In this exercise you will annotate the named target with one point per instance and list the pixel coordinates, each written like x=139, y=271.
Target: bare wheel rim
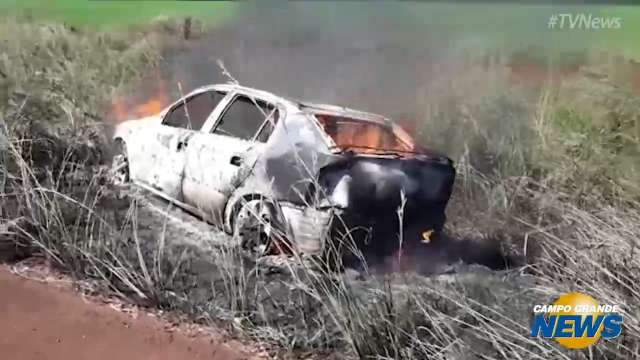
x=120, y=167
x=252, y=228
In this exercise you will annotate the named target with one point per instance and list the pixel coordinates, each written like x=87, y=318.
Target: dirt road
x=40, y=321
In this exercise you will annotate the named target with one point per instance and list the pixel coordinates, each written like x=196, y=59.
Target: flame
x=364, y=136
x=426, y=236
x=152, y=106
x=118, y=109
x=126, y=108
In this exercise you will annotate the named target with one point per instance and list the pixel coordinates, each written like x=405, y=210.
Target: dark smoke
x=443, y=255
x=357, y=55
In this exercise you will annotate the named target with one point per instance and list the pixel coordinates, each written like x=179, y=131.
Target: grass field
x=493, y=25
x=103, y=14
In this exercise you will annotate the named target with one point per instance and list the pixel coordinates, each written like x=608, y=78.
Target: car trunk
x=375, y=192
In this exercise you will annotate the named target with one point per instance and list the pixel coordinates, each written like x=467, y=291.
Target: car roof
x=297, y=104
x=343, y=111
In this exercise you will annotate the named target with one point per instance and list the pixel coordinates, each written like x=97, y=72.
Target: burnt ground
x=445, y=254
x=278, y=300
x=44, y=321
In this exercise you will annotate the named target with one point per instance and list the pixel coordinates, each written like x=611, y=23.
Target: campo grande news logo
x=576, y=321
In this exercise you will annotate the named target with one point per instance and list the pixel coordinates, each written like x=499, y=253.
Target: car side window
x=244, y=117
x=194, y=111
x=266, y=130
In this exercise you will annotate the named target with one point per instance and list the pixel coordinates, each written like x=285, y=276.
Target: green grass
x=103, y=14
x=625, y=40
x=514, y=26
x=502, y=26
x=509, y=27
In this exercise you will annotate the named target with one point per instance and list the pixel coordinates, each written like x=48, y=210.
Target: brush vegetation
x=549, y=174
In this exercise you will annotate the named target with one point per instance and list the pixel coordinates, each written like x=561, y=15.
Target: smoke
x=373, y=58
x=443, y=253
x=384, y=57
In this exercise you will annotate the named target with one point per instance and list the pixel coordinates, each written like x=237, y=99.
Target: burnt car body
x=321, y=169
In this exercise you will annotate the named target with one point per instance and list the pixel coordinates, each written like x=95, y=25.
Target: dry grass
x=527, y=178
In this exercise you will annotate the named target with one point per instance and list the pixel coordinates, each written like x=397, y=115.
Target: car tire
x=258, y=228
x=120, y=174
x=253, y=227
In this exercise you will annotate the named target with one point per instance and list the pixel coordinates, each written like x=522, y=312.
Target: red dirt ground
x=41, y=321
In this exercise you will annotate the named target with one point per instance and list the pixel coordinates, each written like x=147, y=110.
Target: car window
x=269, y=125
x=365, y=136
x=192, y=113
x=244, y=117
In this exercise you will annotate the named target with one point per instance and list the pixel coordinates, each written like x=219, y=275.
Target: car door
x=217, y=161
x=184, y=119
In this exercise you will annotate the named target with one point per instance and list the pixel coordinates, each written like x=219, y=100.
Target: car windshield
x=365, y=136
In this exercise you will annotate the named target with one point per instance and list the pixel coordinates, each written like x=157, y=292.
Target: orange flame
x=125, y=108
x=363, y=137
x=152, y=106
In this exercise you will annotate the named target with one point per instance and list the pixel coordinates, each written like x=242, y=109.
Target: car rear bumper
x=309, y=227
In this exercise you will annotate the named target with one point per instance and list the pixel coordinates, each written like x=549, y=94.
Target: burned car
x=280, y=173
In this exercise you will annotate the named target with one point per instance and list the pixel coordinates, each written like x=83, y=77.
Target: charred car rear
x=275, y=171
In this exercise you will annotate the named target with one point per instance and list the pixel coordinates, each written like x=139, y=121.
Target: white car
x=284, y=174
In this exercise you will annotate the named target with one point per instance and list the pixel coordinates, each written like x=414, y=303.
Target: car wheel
x=120, y=165
x=253, y=227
